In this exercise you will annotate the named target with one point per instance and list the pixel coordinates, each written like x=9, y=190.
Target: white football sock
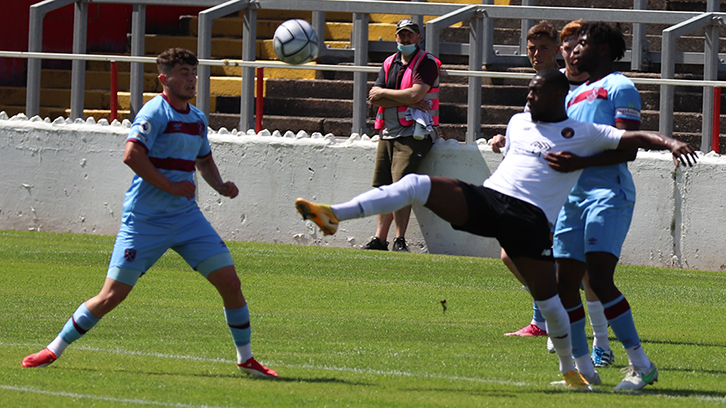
x=599, y=325
x=637, y=357
x=244, y=353
x=584, y=365
x=411, y=189
x=57, y=346
x=558, y=329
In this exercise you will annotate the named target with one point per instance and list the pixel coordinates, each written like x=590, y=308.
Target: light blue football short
x=141, y=242
x=595, y=224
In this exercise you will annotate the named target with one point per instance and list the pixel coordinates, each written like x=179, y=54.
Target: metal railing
x=480, y=48
x=707, y=84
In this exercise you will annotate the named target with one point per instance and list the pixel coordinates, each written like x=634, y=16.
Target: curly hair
x=166, y=61
x=604, y=33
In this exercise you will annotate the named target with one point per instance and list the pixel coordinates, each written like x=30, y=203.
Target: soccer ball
x=295, y=42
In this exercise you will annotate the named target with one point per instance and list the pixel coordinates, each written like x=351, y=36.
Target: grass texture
x=343, y=328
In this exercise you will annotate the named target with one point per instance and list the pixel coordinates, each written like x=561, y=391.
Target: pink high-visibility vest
x=407, y=82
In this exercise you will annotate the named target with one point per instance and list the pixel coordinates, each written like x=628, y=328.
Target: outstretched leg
x=441, y=195
x=83, y=319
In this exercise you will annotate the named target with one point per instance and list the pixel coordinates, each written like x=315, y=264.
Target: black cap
x=407, y=24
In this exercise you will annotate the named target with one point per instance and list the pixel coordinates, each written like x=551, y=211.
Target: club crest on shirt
x=130, y=254
x=592, y=95
x=568, y=132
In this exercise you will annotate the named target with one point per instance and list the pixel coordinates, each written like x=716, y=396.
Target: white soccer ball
x=295, y=42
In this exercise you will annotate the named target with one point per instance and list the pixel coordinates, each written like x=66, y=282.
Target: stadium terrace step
x=230, y=48
x=336, y=126
x=57, y=78
x=151, y=73
x=60, y=98
x=52, y=98
x=321, y=101
x=334, y=30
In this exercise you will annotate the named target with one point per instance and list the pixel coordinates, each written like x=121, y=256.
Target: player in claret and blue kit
x=594, y=222
x=167, y=143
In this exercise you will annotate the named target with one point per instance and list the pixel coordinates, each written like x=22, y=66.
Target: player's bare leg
x=84, y=319
x=237, y=315
x=641, y=371
x=602, y=354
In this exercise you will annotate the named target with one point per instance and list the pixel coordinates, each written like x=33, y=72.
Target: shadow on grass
x=614, y=339
x=674, y=392
x=682, y=343
x=289, y=379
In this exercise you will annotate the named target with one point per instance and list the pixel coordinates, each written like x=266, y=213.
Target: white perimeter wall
x=68, y=177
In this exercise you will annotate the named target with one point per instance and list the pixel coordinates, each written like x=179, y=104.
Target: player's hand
x=497, y=143
x=228, y=189
x=564, y=162
x=683, y=152
x=183, y=189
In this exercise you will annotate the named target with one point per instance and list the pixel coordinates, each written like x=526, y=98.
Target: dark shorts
x=521, y=228
x=397, y=157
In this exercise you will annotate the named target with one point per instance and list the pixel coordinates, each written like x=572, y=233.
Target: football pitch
x=342, y=327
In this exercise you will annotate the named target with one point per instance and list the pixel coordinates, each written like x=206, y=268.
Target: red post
x=114, y=91
x=715, y=132
x=259, y=102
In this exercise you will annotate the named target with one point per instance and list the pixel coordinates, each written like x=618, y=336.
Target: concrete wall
x=68, y=177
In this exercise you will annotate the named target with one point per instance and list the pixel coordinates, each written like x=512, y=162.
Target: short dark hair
x=166, y=61
x=556, y=79
x=543, y=30
x=604, y=33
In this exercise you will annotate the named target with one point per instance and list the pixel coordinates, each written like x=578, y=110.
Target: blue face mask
x=406, y=49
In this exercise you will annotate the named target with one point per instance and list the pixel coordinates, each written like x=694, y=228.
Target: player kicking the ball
x=167, y=142
x=518, y=204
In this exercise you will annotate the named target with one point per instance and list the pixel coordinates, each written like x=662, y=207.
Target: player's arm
x=498, y=142
x=655, y=141
x=567, y=162
x=210, y=173
x=136, y=158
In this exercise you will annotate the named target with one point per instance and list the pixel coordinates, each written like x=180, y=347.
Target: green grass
x=342, y=327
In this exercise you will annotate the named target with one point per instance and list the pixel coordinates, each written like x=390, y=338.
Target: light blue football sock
x=81, y=322
x=621, y=321
x=577, y=329
x=537, y=317
x=239, y=325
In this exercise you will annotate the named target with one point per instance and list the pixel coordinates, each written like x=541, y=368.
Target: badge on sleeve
x=144, y=127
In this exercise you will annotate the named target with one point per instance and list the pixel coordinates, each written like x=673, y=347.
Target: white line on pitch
x=341, y=369
x=136, y=401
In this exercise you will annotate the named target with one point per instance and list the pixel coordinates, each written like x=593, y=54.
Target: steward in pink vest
x=406, y=94
x=406, y=82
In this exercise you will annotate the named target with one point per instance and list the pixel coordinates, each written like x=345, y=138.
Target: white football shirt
x=524, y=173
